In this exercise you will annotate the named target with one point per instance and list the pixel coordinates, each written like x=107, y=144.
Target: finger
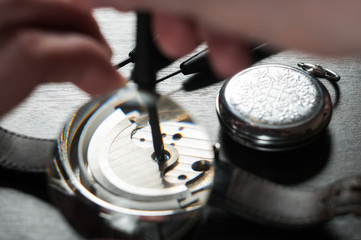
x=145, y=5
x=73, y=58
x=318, y=26
x=44, y=14
x=227, y=56
x=175, y=36
x=32, y=57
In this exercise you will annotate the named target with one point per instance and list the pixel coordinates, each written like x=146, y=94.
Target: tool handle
x=144, y=73
x=196, y=63
x=205, y=77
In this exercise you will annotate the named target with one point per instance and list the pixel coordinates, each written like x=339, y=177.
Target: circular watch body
x=274, y=107
x=105, y=158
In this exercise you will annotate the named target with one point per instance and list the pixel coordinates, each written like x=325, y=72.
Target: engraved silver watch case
x=105, y=158
x=276, y=107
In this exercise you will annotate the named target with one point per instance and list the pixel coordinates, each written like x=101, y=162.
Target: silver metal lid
x=274, y=107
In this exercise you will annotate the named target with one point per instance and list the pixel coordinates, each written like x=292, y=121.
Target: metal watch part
x=105, y=158
x=274, y=107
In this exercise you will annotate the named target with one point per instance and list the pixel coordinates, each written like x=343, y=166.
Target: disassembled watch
x=105, y=157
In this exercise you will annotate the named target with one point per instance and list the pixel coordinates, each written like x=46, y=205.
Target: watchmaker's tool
x=197, y=63
x=145, y=76
x=160, y=62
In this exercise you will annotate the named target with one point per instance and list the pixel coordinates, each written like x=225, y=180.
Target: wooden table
x=27, y=213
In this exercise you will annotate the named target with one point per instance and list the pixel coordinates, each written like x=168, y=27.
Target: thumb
x=32, y=57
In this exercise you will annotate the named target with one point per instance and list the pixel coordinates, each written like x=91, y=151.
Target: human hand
x=51, y=41
x=321, y=27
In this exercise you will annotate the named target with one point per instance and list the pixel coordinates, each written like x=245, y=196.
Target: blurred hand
x=321, y=27
x=51, y=41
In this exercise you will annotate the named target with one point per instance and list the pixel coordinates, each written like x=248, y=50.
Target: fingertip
x=101, y=81
x=228, y=57
x=227, y=65
x=120, y=5
x=77, y=59
x=91, y=69
x=175, y=35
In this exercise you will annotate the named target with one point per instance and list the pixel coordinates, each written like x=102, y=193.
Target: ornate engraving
x=274, y=95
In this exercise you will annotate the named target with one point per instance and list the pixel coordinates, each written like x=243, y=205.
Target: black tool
x=130, y=59
x=194, y=64
x=160, y=60
x=198, y=63
x=145, y=76
x=204, y=75
x=124, y=62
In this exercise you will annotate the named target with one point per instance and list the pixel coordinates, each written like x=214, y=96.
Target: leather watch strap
x=274, y=204
x=235, y=189
x=19, y=152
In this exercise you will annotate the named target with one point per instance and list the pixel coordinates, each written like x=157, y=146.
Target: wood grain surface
x=335, y=155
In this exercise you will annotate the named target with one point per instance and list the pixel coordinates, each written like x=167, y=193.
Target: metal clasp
x=319, y=71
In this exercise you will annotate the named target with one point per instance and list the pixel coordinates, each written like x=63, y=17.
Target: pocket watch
x=276, y=107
